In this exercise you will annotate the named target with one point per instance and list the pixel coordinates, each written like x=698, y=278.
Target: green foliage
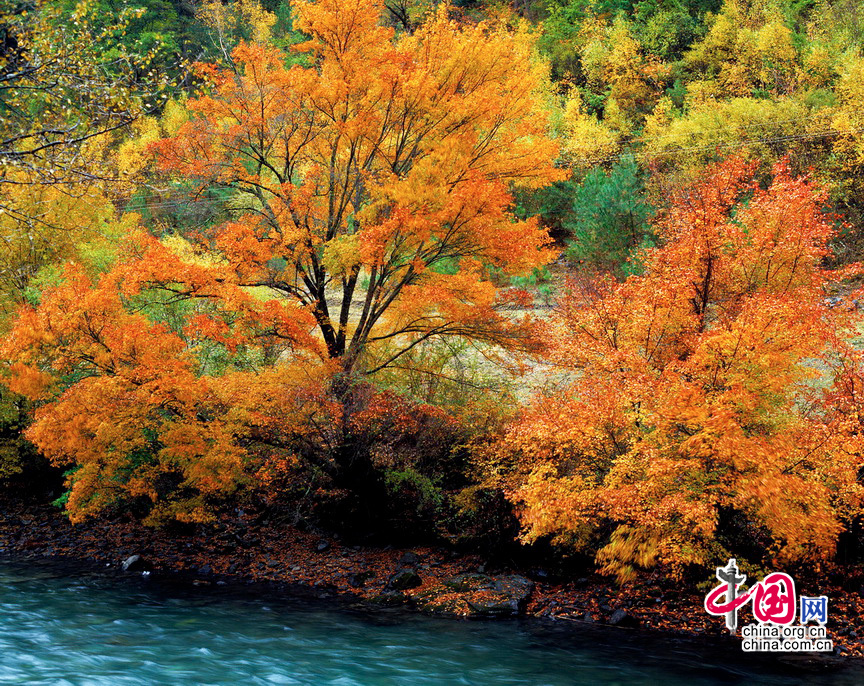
x=609, y=219
x=667, y=33
x=284, y=34
x=604, y=220
x=665, y=28
x=64, y=497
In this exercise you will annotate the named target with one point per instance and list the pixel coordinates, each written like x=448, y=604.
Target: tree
x=66, y=81
x=70, y=83
x=747, y=49
x=194, y=367
x=715, y=405
x=608, y=218
x=373, y=188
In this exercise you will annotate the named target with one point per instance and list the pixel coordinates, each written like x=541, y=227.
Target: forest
x=569, y=281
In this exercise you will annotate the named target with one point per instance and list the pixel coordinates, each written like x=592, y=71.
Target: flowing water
x=61, y=628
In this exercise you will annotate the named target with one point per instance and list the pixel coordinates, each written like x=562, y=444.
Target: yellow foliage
x=586, y=141
x=342, y=254
x=714, y=128
x=614, y=62
x=747, y=48
x=818, y=67
x=41, y=226
x=242, y=18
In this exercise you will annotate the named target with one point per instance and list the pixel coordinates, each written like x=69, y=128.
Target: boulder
x=515, y=586
x=359, y=579
x=477, y=595
x=389, y=599
x=409, y=559
x=623, y=618
x=470, y=582
x=134, y=563
x=404, y=579
x=439, y=600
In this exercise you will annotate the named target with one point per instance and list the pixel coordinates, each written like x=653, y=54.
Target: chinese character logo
x=773, y=597
x=774, y=604
x=814, y=609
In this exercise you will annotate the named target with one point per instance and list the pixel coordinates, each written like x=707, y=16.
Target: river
x=63, y=628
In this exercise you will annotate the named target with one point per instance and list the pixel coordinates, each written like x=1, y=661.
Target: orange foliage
x=130, y=403
x=716, y=394
x=374, y=175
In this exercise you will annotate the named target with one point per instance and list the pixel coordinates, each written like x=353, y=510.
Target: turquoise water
x=59, y=628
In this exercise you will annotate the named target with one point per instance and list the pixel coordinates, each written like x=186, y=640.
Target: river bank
x=65, y=623
x=240, y=551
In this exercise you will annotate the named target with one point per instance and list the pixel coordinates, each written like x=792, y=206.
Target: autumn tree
x=373, y=187
x=371, y=204
x=70, y=85
x=714, y=402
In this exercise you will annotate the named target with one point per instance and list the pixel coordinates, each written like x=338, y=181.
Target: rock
x=440, y=600
x=133, y=563
x=205, y=570
x=623, y=618
x=515, y=586
x=409, y=559
x=508, y=598
x=477, y=595
x=389, y=599
x=359, y=579
x=229, y=542
x=470, y=582
x=494, y=606
x=404, y=579
x=322, y=546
